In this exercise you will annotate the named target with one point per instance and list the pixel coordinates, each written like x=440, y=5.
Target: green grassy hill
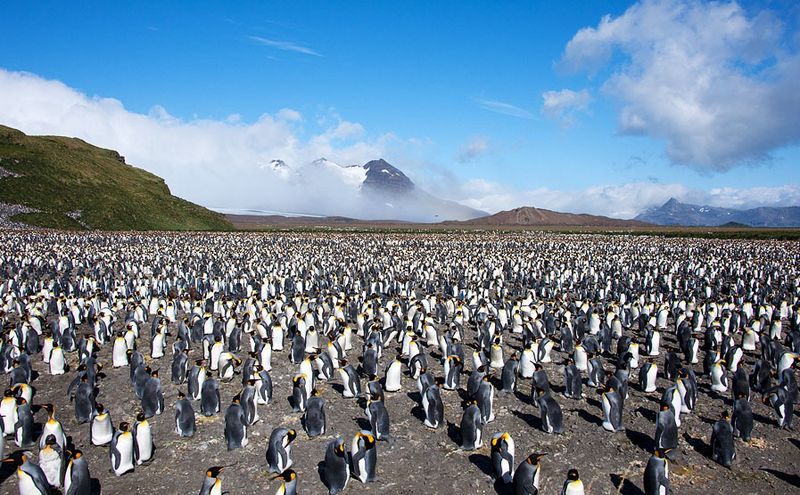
x=75, y=185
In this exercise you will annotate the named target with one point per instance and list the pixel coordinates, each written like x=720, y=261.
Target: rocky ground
x=421, y=460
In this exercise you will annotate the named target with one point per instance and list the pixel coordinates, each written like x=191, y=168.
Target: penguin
x=30, y=477
x=152, y=396
x=551, y=416
x=612, y=409
x=337, y=467
x=364, y=456
x=314, y=417
x=299, y=393
x=742, y=418
x=509, y=375
x=540, y=381
x=572, y=380
x=180, y=367
x=485, y=400
x=264, y=387
x=687, y=387
x=77, y=480
x=279, y=449
x=394, y=372
x=433, y=407
x=527, y=474
x=52, y=427
x=185, y=422
x=656, y=473
x=197, y=376
x=502, y=456
x=595, y=371
x=452, y=372
x=580, y=358
x=374, y=389
x=350, y=380
x=780, y=400
x=57, y=363
x=101, y=430
x=122, y=450
x=84, y=401
x=143, y=436
x=666, y=437
x=288, y=483
x=249, y=404
x=23, y=433
x=209, y=397
x=51, y=460
x=119, y=352
x=723, y=450
x=573, y=484
x=647, y=377
x=719, y=377
x=672, y=398
x=235, y=426
x=8, y=412
x=471, y=428
x=212, y=483
x=740, y=383
x=378, y=419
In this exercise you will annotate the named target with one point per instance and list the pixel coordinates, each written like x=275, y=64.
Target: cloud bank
x=217, y=163
x=717, y=83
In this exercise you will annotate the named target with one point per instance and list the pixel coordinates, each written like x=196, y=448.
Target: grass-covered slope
x=75, y=185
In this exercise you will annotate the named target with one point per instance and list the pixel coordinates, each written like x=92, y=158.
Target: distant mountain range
x=529, y=216
x=374, y=191
x=673, y=212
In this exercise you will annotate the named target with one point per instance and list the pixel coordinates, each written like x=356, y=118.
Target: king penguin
x=503, y=456
x=527, y=474
x=279, y=449
x=337, y=467
x=364, y=456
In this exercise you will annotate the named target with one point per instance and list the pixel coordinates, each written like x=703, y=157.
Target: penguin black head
x=286, y=476
x=181, y=395
x=572, y=475
x=124, y=426
x=50, y=440
x=535, y=458
x=214, y=472
x=100, y=408
x=339, y=449
x=140, y=416
x=725, y=415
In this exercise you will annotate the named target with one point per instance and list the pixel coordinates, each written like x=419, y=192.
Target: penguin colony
x=211, y=357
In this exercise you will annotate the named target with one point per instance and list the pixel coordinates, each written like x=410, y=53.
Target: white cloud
x=287, y=46
x=716, y=83
x=619, y=201
x=503, y=108
x=211, y=162
x=562, y=105
x=472, y=149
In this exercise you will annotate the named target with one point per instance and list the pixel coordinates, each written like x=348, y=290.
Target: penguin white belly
x=119, y=356
x=125, y=449
x=654, y=344
x=158, y=346
x=57, y=364
x=50, y=462
x=581, y=361
x=144, y=441
x=101, y=432
x=607, y=415
x=26, y=484
x=8, y=410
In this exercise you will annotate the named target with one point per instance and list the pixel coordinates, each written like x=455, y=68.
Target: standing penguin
x=612, y=409
x=77, y=480
x=573, y=484
x=212, y=483
x=471, y=428
x=51, y=460
x=143, y=436
x=485, y=400
x=337, y=468
x=249, y=404
x=433, y=406
x=52, y=427
x=572, y=380
x=394, y=372
x=527, y=474
x=378, y=419
x=509, y=375
x=152, y=396
x=235, y=426
x=503, y=456
x=314, y=417
x=719, y=376
x=656, y=474
x=742, y=418
x=647, y=377
x=551, y=416
x=23, y=434
x=84, y=401
x=279, y=449
x=299, y=393
x=364, y=456
x=209, y=397
x=723, y=450
x=666, y=437
x=122, y=450
x=350, y=380
x=101, y=430
x=184, y=416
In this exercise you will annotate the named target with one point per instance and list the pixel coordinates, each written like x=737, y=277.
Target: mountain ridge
x=674, y=212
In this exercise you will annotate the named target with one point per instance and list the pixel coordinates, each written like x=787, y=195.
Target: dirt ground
x=421, y=460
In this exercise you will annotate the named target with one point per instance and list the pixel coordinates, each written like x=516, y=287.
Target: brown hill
x=529, y=216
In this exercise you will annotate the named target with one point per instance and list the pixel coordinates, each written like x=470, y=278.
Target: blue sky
x=494, y=104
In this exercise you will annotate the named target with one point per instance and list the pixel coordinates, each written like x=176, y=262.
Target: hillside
x=67, y=183
x=673, y=212
x=531, y=216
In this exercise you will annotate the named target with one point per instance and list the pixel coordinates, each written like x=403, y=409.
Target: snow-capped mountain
x=375, y=190
x=673, y=212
